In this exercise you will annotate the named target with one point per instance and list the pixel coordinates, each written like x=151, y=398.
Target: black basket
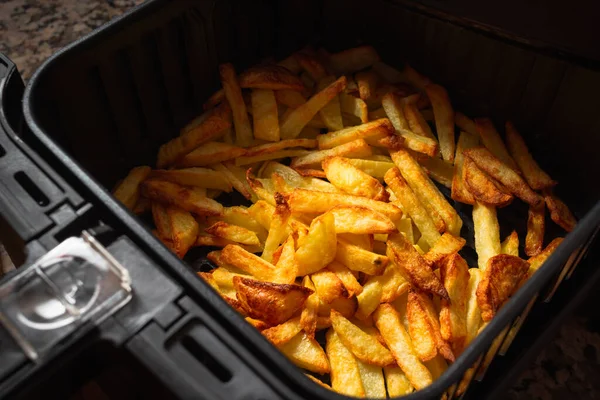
x=107, y=102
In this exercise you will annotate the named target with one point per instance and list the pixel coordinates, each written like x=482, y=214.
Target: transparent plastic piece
x=76, y=282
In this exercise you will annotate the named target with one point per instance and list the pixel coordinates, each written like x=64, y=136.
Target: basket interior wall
x=118, y=97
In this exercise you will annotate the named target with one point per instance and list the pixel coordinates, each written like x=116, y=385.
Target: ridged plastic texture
x=112, y=98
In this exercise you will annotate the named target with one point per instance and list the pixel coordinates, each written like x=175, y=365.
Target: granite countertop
x=32, y=30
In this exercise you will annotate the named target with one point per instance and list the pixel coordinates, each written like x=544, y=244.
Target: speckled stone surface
x=30, y=31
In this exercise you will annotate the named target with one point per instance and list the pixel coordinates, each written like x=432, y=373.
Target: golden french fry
x=363, y=241
x=270, y=302
x=163, y=224
x=239, y=215
x=245, y=160
x=331, y=113
x=465, y=123
x=352, y=180
x=454, y=273
x=412, y=205
x=417, y=269
x=369, y=299
x=459, y=191
x=200, y=177
x=233, y=233
x=376, y=169
x=445, y=246
x=378, y=129
x=534, y=241
x=559, y=212
x=510, y=245
x=354, y=59
x=345, y=375
x=423, y=302
x=348, y=279
x=206, y=240
x=420, y=329
x=416, y=122
x=500, y=279
x=359, y=259
x=128, y=191
x=372, y=380
x=473, y=314
x=490, y=164
x=211, y=153
x=265, y=115
x=283, y=332
x=309, y=315
x=438, y=169
x=482, y=187
x=536, y=262
x=248, y=262
x=361, y=220
x=179, y=196
x=367, y=83
x=396, y=382
x=236, y=176
x=306, y=353
x=270, y=77
x=354, y=106
x=426, y=191
x=493, y=142
x=355, y=149
x=233, y=93
x=318, y=248
x=293, y=123
x=262, y=212
x=533, y=174
x=210, y=128
x=277, y=228
x=487, y=233
x=399, y=343
x=392, y=281
x=328, y=286
x=444, y=119
x=286, y=266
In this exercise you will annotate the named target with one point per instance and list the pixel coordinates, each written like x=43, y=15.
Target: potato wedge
x=355, y=149
x=396, y=382
x=510, y=245
x=354, y=59
x=352, y=180
x=359, y=259
x=270, y=77
x=534, y=241
x=233, y=233
x=210, y=153
x=500, y=279
x=197, y=177
x=270, y=302
x=128, y=191
x=293, y=123
x=459, y=190
x=445, y=246
x=265, y=115
x=306, y=353
x=400, y=345
x=172, y=194
x=416, y=268
x=377, y=129
x=309, y=315
x=444, y=120
x=559, y=212
x=284, y=332
x=454, y=273
x=487, y=233
x=372, y=379
x=233, y=93
x=482, y=187
x=331, y=113
x=345, y=375
x=368, y=299
x=488, y=163
x=318, y=248
x=465, y=123
x=361, y=220
x=493, y=142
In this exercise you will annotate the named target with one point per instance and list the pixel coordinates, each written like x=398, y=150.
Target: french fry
x=500, y=279
x=417, y=269
x=308, y=317
x=311, y=66
x=488, y=163
x=211, y=153
x=426, y=191
x=331, y=113
x=277, y=228
x=459, y=191
x=306, y=353
x=290, y=98
x=233, y=93
x=359, y=259
x=473, y=315
x=368, y=299
x=293, y=123
x=195, y=176
x=537, y=261
x=376, y=169
x=128, y=191
x=172, y=194
x=286, y=265
x=233, y=233
x=270, y=77
x=352, y=180
x=534, y=241
x=373, y=130
x=365, y=242
x=446, y=245
x=416, y=122
x=439, y=170
x=345, y=375
x=236, y=176
x=318, y=248
x=372, y=380
x=244, y=160
x=412, y=205
x=420, y=330
x=465, y=123
x=482, y=187
x=265, y=115
x=533, y=174
x=262, y=212
x=367, y=83
x=444, y=120
x=212, y=127
x=493, y=142
x=328, y=286
x=510, y=245
x=283, y=332
x=163, y=224
x=392, y=281
x=354, y=106
x=355, y=149
x=454, y=273
x=487, y=233
x=206, y=240
x=399, y=343
x=361, y=220
x=396, y=382
x=270, y=302
x=559, y=212
x=354, y=59
x=248, y=262
x=348, y=279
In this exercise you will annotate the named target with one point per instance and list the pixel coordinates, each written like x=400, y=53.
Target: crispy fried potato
x=311, y=65
x=367, y=82
x=278, y=227
x=534, y=241
x=284, y=332
x=465, y=123
x=309, y=315
x=211, y=153
x=500, y=279
x=293, y=123
x=345, y=275
x=354, y=106
x=559, y=212
x=426, y=191
x=415, y=78
x=208, y=278
x=270, y=302
x=206, y=240
x=265, y=115
x=417, y=269
x=210, y=128
x=345, y=375
x=510, y=245
x=482, y=187
x=439, y=170
x=270, y=77
x=396, y=382
x=420, y=330
x=454, y=273
x=400, y=345
x=262, y=212
x=473, y=314
x=459, y=190
x=233, y=233
x=331, y=113
x=306, y=353
x=359, y=259
x=445, y=246
x=363, y=241
x=536, y=262
x=372, y=379
x=184, y=230
x=345, y=306
x=444, y=119
x=163, y=224
x=392, y=281
x=233, y=93
x=416, y=122
x=197, y=177
x=328, y=286
x=533, y=174
x=248, y=262
x=244, y=160
x=239, y=215
x=179, y=196
x=487, y=233
x=236, y=177
x=286, y=266
x=352, y=180
x=361, y=220
x=412, y=205
x=128, y=192
x=364, y=346
x=493, y=142
x=376, y=169
x=318, y=248
x=355, y=149
x=354, y=59
x=373, y=130
x=368, y=299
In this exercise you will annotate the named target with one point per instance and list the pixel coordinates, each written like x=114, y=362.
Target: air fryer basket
x=106, y=103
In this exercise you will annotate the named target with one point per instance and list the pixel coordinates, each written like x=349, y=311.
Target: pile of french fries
x=347, y=233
